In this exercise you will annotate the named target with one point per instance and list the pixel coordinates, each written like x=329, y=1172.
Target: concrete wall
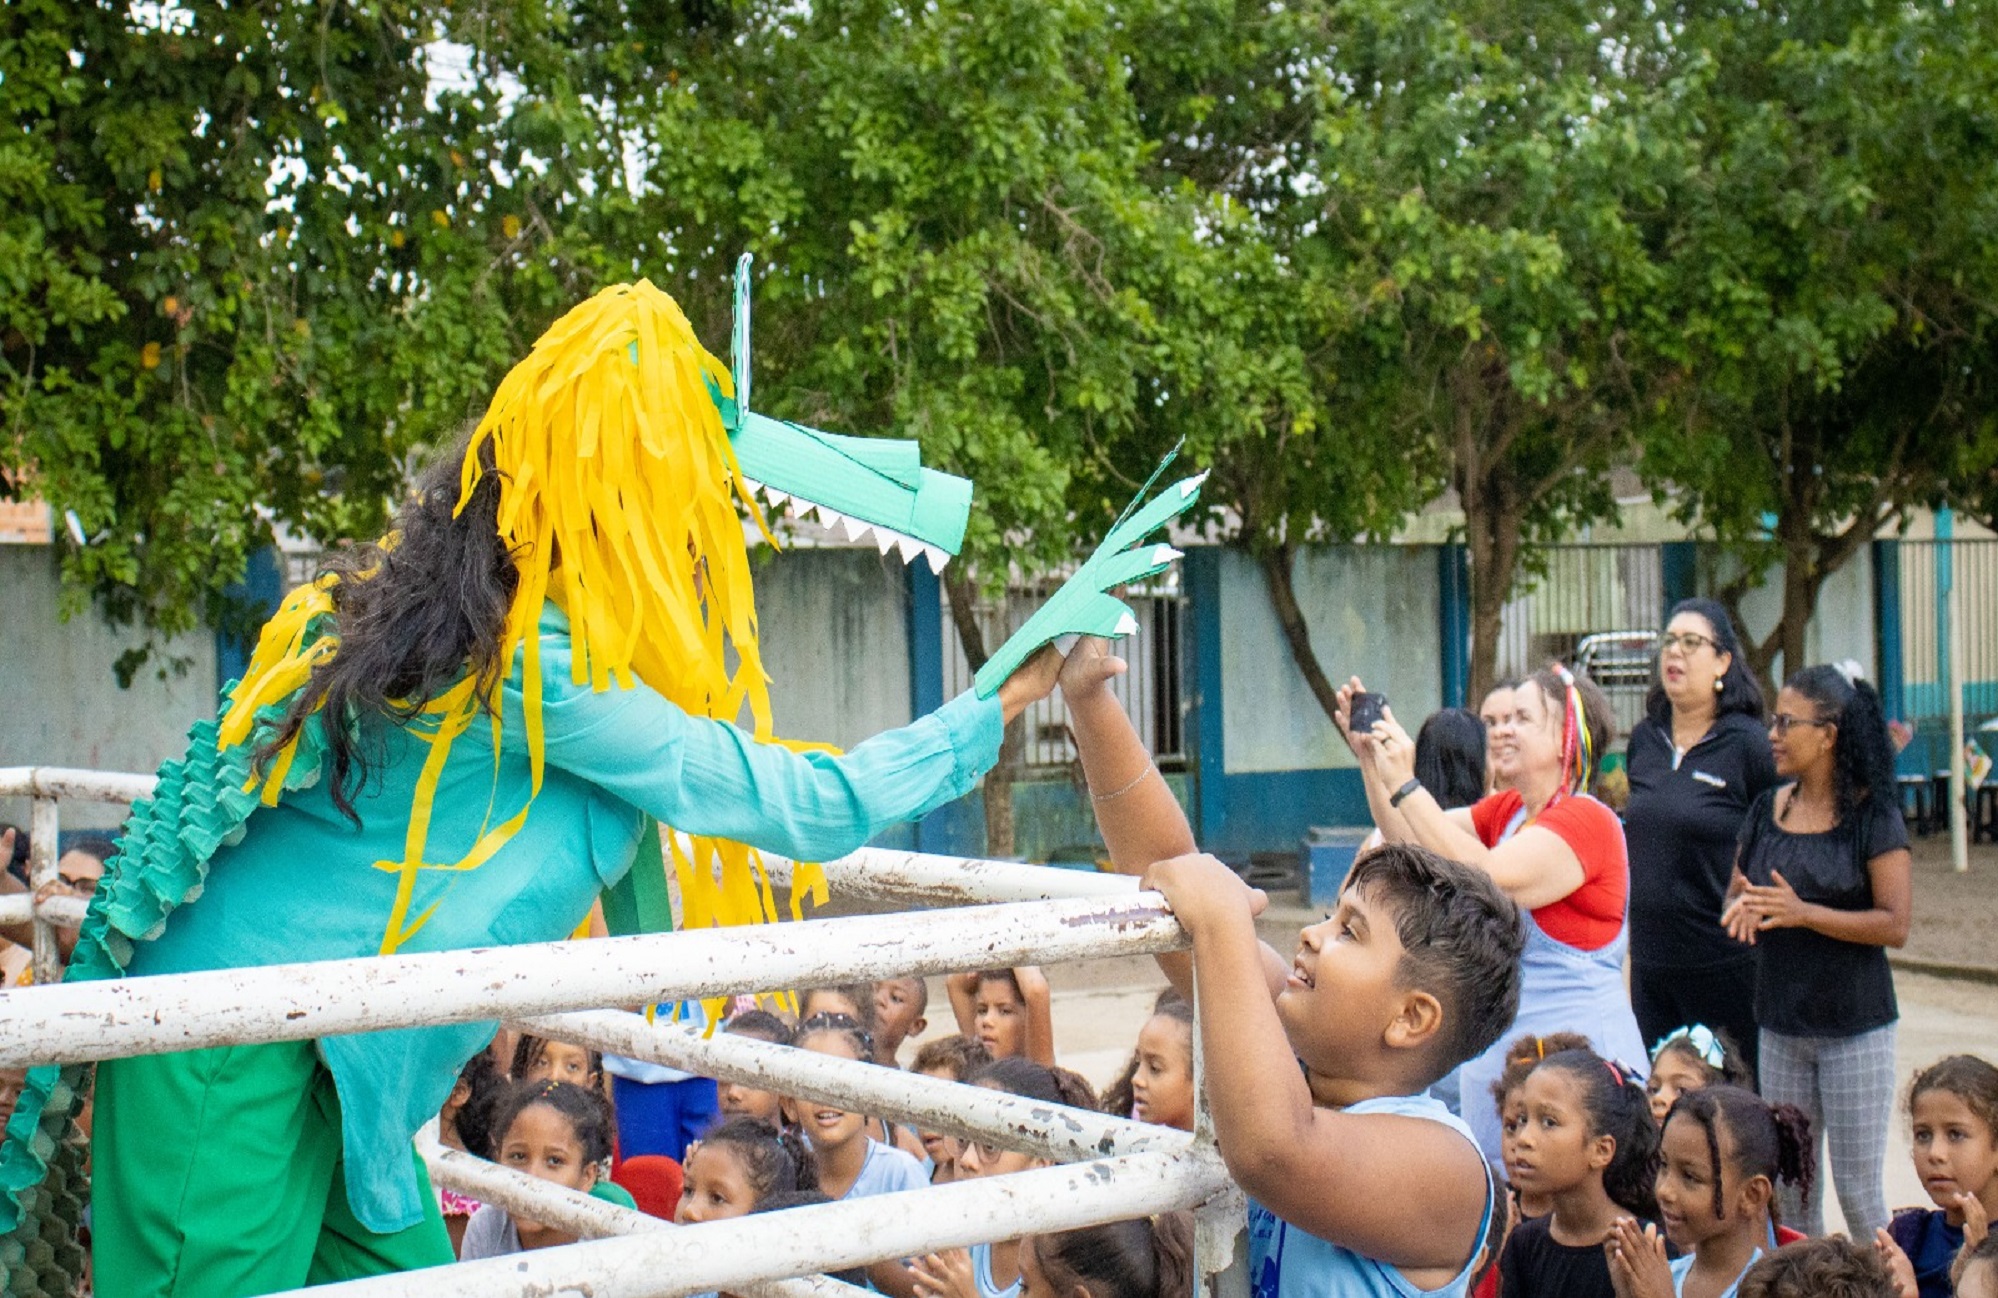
x=1372, y=612
x=60, y=704
x=834, y=626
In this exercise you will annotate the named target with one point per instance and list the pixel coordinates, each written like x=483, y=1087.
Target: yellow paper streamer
x=619, y=502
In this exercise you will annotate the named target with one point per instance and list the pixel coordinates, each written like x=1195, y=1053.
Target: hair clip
x=1617, y=1071
x=1540, y=1047
x=1702, y=1041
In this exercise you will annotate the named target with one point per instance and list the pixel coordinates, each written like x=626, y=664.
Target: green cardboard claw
x=1083, y=605
x=871, y=487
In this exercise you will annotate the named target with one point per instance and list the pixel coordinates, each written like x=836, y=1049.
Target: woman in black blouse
x=1821, y=892
x=1697, y=762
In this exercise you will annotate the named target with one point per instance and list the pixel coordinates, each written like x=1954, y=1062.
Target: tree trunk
x=1491, y=537
x=1800, y=602
x=998, y=788
x=1278, y=565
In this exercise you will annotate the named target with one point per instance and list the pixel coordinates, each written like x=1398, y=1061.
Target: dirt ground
x=1956, y=915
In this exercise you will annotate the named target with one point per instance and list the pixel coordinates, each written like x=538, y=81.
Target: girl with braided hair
x=557, y=1132
x=1721, y=1156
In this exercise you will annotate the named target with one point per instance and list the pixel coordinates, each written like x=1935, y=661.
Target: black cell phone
x=1367, y=708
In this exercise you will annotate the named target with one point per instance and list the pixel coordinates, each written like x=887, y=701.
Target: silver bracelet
x=1136, y=780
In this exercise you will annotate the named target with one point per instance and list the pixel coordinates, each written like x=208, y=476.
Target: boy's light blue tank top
x=1286, y=1262
x=981, y=1275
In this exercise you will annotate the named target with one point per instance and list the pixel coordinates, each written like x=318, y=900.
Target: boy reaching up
x=1360, y=1182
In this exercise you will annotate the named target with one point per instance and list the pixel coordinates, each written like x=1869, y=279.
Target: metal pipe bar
x=726, y=1255
x=924, y=879
x=1047, y=1131
x=134, y=1016
x=74, y=782
x=571, y=1210
x=66, y=912
x=44, y=828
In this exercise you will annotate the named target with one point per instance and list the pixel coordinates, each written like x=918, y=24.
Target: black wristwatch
x=1406, y=789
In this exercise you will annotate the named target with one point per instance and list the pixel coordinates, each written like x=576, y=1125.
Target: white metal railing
x=1110, y=1168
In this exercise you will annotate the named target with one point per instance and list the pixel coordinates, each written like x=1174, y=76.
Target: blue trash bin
x=1326, y=857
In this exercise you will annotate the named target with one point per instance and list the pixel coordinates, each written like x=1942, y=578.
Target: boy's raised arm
x=1140, y=819
x=1405, y=1191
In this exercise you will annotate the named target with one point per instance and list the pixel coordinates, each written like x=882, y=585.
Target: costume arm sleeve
x=710, y=778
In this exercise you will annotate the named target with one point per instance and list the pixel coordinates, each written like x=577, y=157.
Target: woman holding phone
x=1554, y=849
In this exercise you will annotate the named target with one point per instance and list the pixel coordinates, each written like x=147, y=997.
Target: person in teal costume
x=250, y=1169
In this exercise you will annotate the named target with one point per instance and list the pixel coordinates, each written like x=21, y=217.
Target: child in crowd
x=1977, y=1269
x=740, y=1099
x=1521, y=1058
x=855, y=1000
x=1688, y=1058
x=738, y=1165
x=465, y=1122
x=1151, y=1257
x=953, y=1058
x=852, y=1164
x=1157, y=1085
x=994, y=1270
x=537, y=1059
x=1587, y=1143
x=1318, y=1066
x=1007, y=1009
x=1953, y=1107
x=900, y=1005
x=1829, y=1267
x=557, y=1132
x=1722, y=1152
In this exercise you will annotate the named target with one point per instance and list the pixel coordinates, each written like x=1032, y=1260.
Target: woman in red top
x=1555, y=851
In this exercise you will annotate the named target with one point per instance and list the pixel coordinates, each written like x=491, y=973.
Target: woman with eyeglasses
x=1821, y=890
x=1697, y=762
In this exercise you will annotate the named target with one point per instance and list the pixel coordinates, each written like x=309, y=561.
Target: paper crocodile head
x=867, y=486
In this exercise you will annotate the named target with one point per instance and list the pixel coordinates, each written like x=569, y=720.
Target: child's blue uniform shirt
x=1286, y=1262
x=1931, y=1244
x=1682, y=1266
x=981, y=1275
x=886, y=1171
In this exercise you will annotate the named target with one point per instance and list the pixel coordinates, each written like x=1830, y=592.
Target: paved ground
x=1100, y=1006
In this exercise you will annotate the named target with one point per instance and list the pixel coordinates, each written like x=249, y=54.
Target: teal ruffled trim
x=202, y=802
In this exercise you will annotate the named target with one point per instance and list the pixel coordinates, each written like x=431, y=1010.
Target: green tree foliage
x=1834, y=276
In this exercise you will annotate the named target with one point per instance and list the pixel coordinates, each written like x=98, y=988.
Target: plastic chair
x=654, y=1180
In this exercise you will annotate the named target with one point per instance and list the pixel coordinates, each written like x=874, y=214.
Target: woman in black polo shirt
x=1697, y=762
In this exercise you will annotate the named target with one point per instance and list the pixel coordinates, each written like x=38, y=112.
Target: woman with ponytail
x=1550, y=846
x=1821, y=889
x=1151, y=1257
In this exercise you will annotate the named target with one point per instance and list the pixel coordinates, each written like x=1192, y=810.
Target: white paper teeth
x=855, y=529
x=830, y=518
x=1191, y=485
x=937, y=557
x=910, y=548
x=750, y=486
x=1163, y=555
x=1126, y=625
x=776, y=497
x=884, y=540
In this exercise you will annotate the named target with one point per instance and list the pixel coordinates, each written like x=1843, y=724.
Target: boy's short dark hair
x=1831, y=1267
x=960, y=1056
x=920, y=988
x=1461, y=940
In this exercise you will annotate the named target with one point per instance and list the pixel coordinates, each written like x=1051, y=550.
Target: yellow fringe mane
x=619, y=502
